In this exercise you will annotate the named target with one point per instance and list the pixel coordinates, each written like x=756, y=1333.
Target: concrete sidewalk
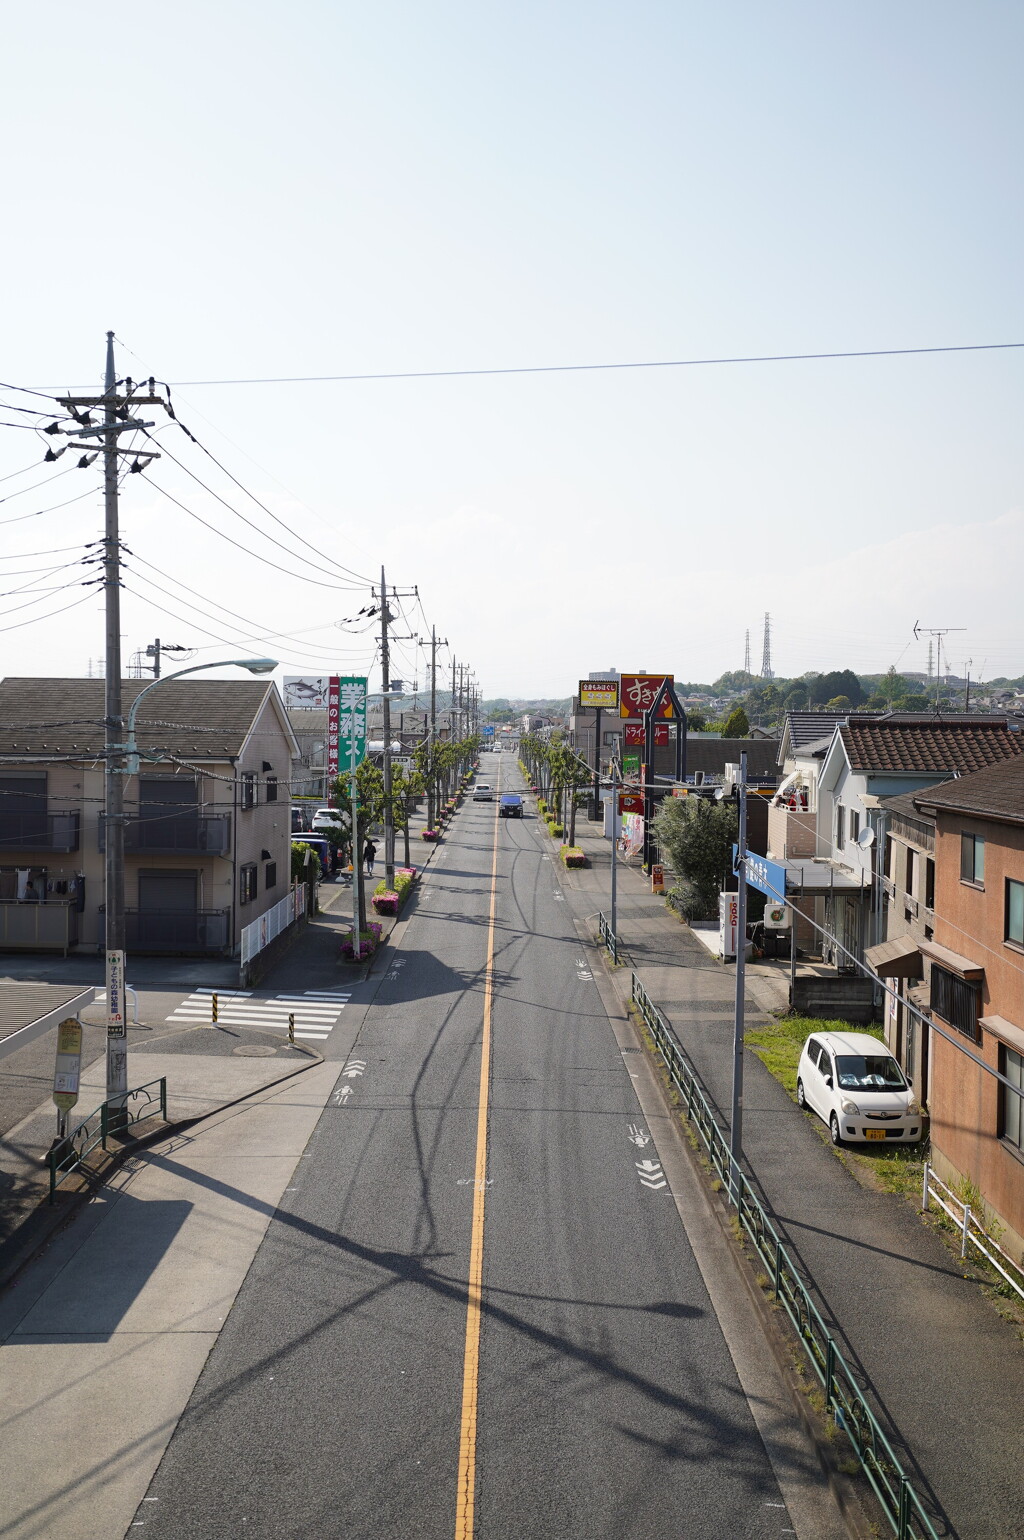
x=944, y=1370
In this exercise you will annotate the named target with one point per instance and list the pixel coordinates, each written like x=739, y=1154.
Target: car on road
x=510, y=806
x=853, y=1083
x=327, y=818
x=482, y=792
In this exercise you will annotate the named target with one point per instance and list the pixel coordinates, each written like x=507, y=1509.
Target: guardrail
x=844, y=1400
x=112, y=1117
x=971, y=1229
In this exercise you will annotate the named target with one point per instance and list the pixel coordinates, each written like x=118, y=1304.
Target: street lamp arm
x=254, y=665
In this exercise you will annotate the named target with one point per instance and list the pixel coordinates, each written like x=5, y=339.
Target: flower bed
x=556, y=830
x=369, y=941
x=390, y=900
x=385, y=901
x=429, y=834
x=572, y=855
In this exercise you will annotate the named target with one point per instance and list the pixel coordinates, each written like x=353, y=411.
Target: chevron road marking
x=651, y=1174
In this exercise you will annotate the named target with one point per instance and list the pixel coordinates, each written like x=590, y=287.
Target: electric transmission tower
x=746, y=654
x=766, y=653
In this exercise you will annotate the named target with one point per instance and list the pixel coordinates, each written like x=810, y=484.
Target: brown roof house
x=975, y=997
x=208, y=827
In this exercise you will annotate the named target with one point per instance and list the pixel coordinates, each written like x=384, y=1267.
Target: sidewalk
x=945, y=1371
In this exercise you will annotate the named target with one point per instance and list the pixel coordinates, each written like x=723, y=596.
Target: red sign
x=638, y=692
x=635, y=734
x=332, y=727
x=628, y=803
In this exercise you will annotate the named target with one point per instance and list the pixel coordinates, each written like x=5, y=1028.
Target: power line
x=658, y=363
x=36, y=618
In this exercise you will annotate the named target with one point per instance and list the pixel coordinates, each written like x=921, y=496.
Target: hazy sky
x=247, y=191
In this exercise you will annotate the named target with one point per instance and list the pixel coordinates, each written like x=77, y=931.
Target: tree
x=839, y=703
x=405, y=787
x=892, y=685
x=698, y=836
x=736, y=724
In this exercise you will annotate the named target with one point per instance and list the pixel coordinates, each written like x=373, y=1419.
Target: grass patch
x=778, y=1041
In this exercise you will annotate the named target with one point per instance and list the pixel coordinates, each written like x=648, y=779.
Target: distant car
x=510, y=806
x=327, y=818
x=300, y=820
x=854, y=1084
x=482, y=792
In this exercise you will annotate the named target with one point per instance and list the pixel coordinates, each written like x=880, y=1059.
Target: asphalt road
x=344, y=1396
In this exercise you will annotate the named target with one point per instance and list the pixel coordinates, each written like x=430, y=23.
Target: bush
x=542, y=806
x=369, y=940
x=390, y=900
x=429, y=834
x=385, y=903
x=556, y=831
x=572, y=855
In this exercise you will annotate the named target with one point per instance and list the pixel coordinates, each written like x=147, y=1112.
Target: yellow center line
x=466, y=1489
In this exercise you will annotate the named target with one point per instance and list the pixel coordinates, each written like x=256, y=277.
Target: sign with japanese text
x=636, y=734
x=68, y=1066
x=115, y=994
x=599, y=695
x=638, y=692
x=629, y=802
x=766, y=876
x=351, y=723
x=631, y=764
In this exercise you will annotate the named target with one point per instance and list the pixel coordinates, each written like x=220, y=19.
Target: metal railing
x=113, y=1116
x=934, y=1190
x=608, y=938
x=844, y=1399
x=39, y=831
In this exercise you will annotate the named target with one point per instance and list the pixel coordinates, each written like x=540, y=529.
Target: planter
x=572, y=855
x=385, y=903
x=429, y=834
x=369, y=940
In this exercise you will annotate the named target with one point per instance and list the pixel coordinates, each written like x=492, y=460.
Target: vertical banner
x=332, y=727
x=351, y=733
x=115, y=994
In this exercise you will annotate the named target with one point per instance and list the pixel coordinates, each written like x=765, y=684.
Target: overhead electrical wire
x=34, y=619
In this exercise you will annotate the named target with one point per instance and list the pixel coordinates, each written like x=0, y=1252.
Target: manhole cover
x=254, y=1051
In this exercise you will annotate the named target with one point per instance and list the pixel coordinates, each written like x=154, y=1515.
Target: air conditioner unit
x=776, y=916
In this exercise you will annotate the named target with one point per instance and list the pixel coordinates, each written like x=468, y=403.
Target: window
x=972, y=858
x=955, y=1000
x=249, y=789
x=1015, y=912
x=911, y=871
x=270, y=875
x=929, y=883
x=840, y=826
x=1012, y=1120
x=247, y=883
x=271, y=788
x=888, y=855
x=854, y=827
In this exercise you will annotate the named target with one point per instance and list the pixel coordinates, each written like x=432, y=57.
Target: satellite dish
x=866, y=837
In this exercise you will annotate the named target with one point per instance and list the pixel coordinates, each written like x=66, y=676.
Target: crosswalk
x=316, y=1011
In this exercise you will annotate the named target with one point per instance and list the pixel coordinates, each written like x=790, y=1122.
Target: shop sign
x=638, y=692
x=599, y=694
x=636, y=734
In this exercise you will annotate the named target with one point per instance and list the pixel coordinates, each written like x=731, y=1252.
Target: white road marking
x=316, y=1012
x=651, y=1174
x=638, y=1137
x=341, y=1095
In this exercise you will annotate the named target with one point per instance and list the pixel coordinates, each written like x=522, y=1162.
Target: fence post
x=163, y=1097
x=291, y=1028
x=903, y=1518
x=213, y=1007
x=963, y=1231
x=924, y=1190
x=778, y=1268
x=830, y=1369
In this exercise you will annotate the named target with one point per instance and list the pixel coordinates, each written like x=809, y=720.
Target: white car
x=482, y=792
x=327, y=818
x=854, y=1084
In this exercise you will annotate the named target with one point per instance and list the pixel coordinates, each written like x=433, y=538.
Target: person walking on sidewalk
x=369, y=856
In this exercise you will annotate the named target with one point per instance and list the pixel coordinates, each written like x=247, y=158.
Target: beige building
x=207, y=830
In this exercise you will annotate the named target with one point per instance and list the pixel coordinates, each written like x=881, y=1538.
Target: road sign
x=115, y=994
x=488, y=730
x=68, y=1065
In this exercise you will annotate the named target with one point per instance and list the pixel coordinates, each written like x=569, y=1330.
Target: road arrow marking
x=650, y=1174
x=469, y=1181
x=354, y=1070
x=653, y=1185
x=648, y=1167
x=638, y=1137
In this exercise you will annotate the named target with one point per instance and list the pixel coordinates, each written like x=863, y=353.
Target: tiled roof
x=713, y=754
x=194, y=718
x=808, y=726
x=905, y=806
x=995, y=792
x=930, y=746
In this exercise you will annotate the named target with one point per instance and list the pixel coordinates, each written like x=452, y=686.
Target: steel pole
x=114, y=763
x=389, y=823
x=736, y=1130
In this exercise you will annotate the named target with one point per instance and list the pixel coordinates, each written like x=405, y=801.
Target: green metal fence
x=608, y=937
x=844, y=1399
x=113, y=1117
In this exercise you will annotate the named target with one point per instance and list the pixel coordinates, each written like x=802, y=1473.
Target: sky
x=247, y=192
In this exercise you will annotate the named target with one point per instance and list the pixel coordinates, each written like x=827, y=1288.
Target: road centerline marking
x=466, y=1485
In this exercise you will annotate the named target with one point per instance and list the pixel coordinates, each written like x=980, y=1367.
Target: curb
x=46, y=1220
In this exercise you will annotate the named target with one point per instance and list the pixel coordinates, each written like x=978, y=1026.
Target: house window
x=955, y=1000
x=888, y=855
x=854, y=827
x=270, y=875
x=911, y=871
x=972, y=858
x=840, y=826
x=271, y=788
x=249, y=789
x=247, y=883
x=1015, y=912
x=1012, y=1119
x=929, y=883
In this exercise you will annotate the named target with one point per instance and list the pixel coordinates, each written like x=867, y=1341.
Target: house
x=207, y=820
x=976, y=986
x=908, y=918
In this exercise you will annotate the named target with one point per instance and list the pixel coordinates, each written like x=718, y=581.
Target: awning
x=1005, y=1031
x=899, y=958
x=952, y=960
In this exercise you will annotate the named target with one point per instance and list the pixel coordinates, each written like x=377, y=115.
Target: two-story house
x=207, y=819
x=907, y=883
x=976, y=986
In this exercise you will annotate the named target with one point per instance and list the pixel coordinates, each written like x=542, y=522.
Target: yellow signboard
x=599, y=694
x=68, y=1067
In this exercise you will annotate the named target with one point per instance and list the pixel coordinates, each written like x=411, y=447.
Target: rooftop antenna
x=936, y=632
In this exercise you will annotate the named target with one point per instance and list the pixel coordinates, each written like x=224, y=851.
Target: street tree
x=698, y=836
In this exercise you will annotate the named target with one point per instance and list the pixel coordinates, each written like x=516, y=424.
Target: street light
x=117, y=1050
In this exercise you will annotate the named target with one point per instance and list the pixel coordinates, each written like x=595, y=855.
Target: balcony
x=49, y=927
x=195, y=932
x=182, y=834
x=792, y=836
x=56, y=832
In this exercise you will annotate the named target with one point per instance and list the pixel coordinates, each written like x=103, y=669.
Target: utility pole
x=389, y=820
x=116, y=419
x=431, y=788
x=157, y=649
x=736, y=1128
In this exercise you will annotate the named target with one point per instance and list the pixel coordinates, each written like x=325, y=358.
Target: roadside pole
x=358, y=916
x=615, y=863
x=736, y=1129
x=389, y=822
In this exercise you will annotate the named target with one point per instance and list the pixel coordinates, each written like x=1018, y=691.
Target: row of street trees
x=560, y=773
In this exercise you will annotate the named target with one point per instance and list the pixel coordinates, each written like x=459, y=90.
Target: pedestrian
x=369, y=856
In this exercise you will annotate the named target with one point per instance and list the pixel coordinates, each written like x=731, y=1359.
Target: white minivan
x=852, y=1081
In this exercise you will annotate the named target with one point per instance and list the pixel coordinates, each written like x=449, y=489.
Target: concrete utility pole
x=389, y=820
x=155, y=651
x=736, y=1129
x=116, y=419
